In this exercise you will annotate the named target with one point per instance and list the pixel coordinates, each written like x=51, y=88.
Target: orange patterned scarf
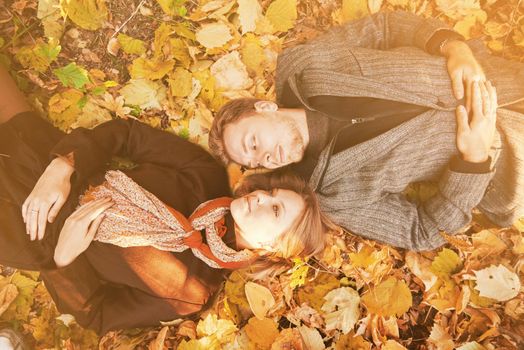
x=139, y=218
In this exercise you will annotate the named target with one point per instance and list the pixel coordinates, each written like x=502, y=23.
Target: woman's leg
x=12, y=101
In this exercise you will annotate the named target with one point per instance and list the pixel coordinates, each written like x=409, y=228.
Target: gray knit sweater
x=362, y=187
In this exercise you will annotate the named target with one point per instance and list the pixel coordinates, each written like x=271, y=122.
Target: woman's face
x=261, y=217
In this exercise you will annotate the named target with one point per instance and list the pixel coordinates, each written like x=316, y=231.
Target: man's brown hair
x=229, y=113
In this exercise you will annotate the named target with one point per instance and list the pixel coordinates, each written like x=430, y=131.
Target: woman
x=107, y=286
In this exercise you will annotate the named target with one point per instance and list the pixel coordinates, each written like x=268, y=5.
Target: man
x=365, y=116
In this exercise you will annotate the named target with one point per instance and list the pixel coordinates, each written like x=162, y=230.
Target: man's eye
x=276, y=210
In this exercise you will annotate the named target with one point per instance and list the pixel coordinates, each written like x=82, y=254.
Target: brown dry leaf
x=259, y=298
x=262, y=332
x=158, y=343
x=289, y=338
x=391, y=297
x=187, y=329
x=342, y=309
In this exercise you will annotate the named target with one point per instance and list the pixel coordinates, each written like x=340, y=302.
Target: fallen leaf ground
x=171, y=64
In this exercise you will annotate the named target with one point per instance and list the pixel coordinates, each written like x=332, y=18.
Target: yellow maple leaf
x=87, y=14
x=262, y=332
x=213, y=35
x=153, y=69
x=298, y=273
x=391, y=297
x=282, y=14
x=342, y=309
x=180, y=82
x=131, y=45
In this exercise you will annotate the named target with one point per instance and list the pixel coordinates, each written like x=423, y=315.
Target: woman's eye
x=276, y=210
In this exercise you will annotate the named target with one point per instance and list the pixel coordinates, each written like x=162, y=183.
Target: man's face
x=264, y=140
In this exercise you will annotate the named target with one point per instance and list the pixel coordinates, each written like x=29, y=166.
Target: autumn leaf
x=223, y=330
x=259, y=298
x=173, y=7
x=342, y=309
x=282, y=14
x=311, y=338
x=249, y=12
x=72, y=75
x=497, y=282
x=253, y=54
x=299, y=273
x=313, y=292
x=144, y=93
x=230, y=73
x=87, y=14
x=262, y=332
x=153, y=69
x=473, y=345
x=39, y=56
x=131, y=45
x=65, y=107
x=180, y=82
x=391, y=297
x=49, y=13
x=7, y=295
x=213, y=35
x=440, y=338
x=446, y=263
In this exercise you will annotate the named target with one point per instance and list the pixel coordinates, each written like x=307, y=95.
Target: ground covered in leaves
x=171, y=64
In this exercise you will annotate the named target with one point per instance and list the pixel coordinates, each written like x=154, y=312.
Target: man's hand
x=463, y=69
x=47, y=198
x=79, y=230
x=475, y=137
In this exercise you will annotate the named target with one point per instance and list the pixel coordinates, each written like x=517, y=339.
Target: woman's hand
x=463, y=69
x=79, y=230
x=47, y=198
x=475, y=137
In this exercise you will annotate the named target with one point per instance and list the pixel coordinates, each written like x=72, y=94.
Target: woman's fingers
x=53, y=212
x=94, y=227
x=486, y=100
x=32, y=222
x=42, y=220
x=25, y=207
x=492, y=91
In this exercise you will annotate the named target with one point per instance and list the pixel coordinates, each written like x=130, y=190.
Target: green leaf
x=172, y=7
x=38, y=56
x=446, y=263
x=131, y=45
x=72, y=76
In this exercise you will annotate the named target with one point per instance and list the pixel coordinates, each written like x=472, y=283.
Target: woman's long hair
x=307, y=235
